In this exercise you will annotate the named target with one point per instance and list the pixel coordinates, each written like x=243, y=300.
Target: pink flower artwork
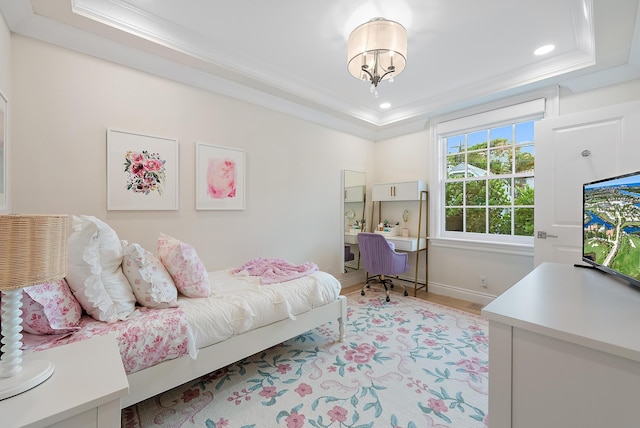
x=221, y=178
x=145, y=172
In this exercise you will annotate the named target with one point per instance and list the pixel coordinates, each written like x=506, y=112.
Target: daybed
x=174, y=338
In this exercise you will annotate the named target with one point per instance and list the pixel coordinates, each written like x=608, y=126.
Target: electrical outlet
x=483, y=281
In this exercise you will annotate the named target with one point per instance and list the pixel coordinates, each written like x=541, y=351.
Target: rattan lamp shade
x=33, y=249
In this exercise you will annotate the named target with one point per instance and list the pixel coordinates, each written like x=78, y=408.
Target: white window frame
x=535, y=105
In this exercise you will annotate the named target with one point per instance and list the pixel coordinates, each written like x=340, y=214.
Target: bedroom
x=62, y=102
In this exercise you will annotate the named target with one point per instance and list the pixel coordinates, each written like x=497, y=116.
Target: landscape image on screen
x=612, y=224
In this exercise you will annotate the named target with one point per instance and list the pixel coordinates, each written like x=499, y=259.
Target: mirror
x=3, y=153
x=354, y=189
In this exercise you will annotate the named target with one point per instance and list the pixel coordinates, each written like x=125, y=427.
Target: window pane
x=476, y=193
x=478, y=140
x=455, y=144
x=453, y=193
x=525, y=157
x=500, y=137
x=456, y=167
x=488, y=181
x=523, y=191
x=524, y=132
x=500, y=221
x=453, y=220
x=500, y=192
x=476, y=220
x=477, y=166
x=523, y=221
x=501, y=161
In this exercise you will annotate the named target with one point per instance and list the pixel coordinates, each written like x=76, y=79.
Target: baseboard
x=461, y=293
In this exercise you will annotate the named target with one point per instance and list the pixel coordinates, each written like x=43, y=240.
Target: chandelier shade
x=377, y=50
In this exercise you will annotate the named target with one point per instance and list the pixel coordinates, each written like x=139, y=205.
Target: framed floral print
x=220, y=177
x=142, y=172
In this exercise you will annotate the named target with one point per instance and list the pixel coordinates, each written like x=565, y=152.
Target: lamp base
x=33, y=373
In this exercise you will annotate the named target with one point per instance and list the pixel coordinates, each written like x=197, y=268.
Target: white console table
x=564, y=351
x=84, y=390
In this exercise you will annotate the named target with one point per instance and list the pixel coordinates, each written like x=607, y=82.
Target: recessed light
x=542, y=50
x=385, y=105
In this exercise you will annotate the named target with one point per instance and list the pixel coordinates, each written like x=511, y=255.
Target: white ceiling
x=290, y=55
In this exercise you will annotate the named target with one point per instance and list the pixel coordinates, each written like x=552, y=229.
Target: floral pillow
x=94, y=270
x=185, y=267
x=50, y=308
x=149, y=279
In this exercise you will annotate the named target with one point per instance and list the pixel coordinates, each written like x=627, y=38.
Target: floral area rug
x=406, y=363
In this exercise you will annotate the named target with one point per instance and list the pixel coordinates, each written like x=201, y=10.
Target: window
x=489, y=182
x=484, y=167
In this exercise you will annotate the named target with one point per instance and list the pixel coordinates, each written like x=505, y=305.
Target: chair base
x=386, y=283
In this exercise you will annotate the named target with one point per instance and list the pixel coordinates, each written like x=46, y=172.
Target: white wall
x=5, y=51
x=5, y=87
x=456, y=272
x=64, y=102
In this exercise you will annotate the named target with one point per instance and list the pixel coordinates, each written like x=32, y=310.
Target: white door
x=572, y=150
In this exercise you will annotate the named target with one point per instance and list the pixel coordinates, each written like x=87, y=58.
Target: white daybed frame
x=161, y=377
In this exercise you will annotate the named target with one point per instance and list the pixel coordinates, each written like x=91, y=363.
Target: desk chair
x=381, y=259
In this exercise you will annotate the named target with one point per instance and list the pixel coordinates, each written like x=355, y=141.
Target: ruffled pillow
x=94, y=270
x=149, y=279
x=50, y=308
x=185, y=267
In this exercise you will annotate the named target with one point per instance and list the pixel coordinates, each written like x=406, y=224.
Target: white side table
x=84, y=390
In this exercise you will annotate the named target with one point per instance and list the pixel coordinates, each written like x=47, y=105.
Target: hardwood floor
x=462, y=305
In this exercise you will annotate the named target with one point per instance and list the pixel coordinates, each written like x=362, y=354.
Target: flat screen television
x=611, y=232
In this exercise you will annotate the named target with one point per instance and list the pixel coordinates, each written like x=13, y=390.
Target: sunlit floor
x=463, y=305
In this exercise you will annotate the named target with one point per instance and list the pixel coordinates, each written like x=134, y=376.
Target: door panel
x=572, y=150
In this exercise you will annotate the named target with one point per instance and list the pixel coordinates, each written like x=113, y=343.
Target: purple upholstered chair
x=381, y=259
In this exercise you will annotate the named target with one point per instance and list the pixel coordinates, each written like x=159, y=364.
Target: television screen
x=611, y=233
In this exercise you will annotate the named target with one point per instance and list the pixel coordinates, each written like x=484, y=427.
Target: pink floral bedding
x=146, y=338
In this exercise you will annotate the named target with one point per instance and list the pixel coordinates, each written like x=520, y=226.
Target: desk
x=407, y=243
x=84, y=390
x=411, y=244
x=351, y=238
x=564, y=351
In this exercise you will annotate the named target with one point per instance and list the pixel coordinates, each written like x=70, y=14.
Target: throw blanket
x=271, y=271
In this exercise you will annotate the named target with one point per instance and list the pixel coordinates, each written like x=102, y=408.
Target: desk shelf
x=417, y=244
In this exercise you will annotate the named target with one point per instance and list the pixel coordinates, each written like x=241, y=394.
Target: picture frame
x=4, y=162
x=142, y=171
x=220, y=177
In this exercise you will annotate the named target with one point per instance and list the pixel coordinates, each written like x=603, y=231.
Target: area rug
x=406, y=363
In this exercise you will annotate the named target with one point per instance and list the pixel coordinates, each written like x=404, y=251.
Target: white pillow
x=185, y=267
x=149, y=280
x=94, y=271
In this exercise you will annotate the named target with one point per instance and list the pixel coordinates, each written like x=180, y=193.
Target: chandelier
x=377, y=51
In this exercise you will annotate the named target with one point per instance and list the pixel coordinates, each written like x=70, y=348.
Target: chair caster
x=388, y=299
x=362, y=293
x=406, y=293
x=391, y=285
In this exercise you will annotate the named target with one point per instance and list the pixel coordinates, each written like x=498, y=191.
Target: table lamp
x=33, y=250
